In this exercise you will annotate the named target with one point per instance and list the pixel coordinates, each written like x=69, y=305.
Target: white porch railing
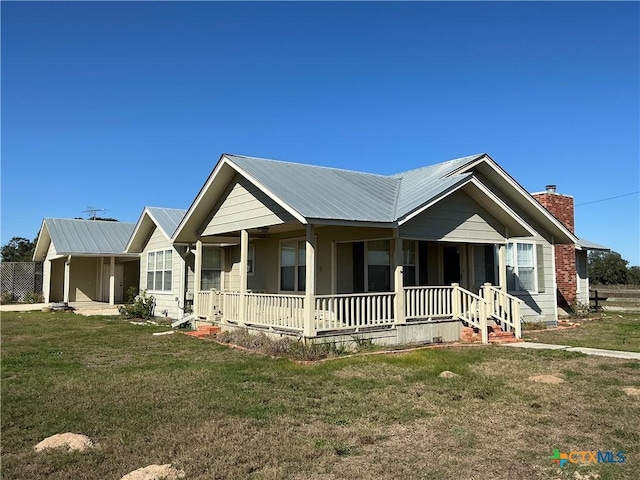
x=446, y=302
x=284, y=311
x=354, y=311
x=472, y=309
x=503, y=307
x=357, y=311
x=428, y=302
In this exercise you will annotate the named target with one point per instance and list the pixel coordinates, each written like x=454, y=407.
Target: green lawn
x=613, y=331
x=220, y=413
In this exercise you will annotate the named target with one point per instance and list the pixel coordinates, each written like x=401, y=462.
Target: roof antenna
x=91, y=211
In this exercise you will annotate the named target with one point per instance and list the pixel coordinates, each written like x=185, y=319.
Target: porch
x=416, y=314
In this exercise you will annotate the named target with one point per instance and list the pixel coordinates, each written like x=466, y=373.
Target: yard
x=227, y=414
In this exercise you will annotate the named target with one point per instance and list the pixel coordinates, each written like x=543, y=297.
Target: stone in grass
x=632, y=391
x=448, y=374
x=155, y=472
x=546, y=379
x=70, y=441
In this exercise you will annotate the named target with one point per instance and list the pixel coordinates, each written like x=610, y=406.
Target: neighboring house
x=317, y=251
x=166, y=269
x=84, y=260
x=572, y=277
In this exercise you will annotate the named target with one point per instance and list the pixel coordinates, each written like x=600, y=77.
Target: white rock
x=155, y=472
x=71, y=441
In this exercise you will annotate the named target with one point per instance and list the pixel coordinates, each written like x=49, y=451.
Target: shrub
x=142, y=307
x=34, y=297
x=132, y=293
x=6, y=298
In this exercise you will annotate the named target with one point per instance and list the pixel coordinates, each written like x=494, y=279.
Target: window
x=521, y=271
x=251, y=260
x=409, y=263
x=159, y=269
x=211, y=268
x=379, y=265
x=292, y=266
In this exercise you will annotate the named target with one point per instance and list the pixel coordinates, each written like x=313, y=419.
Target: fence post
x=484, y=328
x=516, y=319
x=488, y=297
x=455, y=300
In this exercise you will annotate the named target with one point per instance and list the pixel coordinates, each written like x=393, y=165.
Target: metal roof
x=88, y=236
x=587, y=245
x=331, y=193
x=323, y=192
x=167, y=219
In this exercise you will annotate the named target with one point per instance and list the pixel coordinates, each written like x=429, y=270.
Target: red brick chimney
x=561, y=207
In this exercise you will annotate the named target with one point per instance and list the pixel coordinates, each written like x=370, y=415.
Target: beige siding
x=244, y=207
x=83, y=279
x=456, y=218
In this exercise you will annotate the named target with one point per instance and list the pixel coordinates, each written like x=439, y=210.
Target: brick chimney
x=561, y=207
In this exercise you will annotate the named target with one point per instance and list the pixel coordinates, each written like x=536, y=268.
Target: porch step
x=496, y=335
x=205, y=331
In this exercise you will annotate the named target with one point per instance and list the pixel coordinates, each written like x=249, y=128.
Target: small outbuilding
x=84, y=260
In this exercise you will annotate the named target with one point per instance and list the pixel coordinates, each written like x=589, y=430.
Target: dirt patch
x=155, y=472
x=546, y=379
x=632, y=391
x=70, y=441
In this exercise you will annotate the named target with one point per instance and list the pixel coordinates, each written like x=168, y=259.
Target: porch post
x=46, y=280
x=398, y=281
x=502, y=267
x=112, y=282
x=244, y=256
x=67, y=278
x=310, y=284
x=197, y=277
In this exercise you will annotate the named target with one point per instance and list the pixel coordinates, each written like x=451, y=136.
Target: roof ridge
x=308, y=165
x=473, y=156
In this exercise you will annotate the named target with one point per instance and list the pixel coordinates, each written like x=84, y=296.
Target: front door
x=119, y=283
x=451, y=265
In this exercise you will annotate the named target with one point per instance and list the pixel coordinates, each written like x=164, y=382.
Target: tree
x=18, y=249
x=607, y=268
x=633, y=275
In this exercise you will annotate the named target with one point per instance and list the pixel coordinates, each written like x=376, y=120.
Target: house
x=166, y=268
x=84, y=260
x=572, y=277
x=324, y=252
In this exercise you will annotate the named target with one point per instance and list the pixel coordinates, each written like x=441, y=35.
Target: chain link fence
x=19, y=281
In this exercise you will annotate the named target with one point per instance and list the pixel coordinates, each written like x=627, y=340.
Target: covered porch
x=326, y=282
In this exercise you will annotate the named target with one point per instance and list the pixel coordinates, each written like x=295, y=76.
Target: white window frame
x=163, y=270
x=221, y=269
x=514, y=251
x=296, y=266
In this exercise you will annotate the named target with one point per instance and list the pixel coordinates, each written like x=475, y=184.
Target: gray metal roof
x=587, y=245
x=88, y=236
x=323, y=192
x=167, y=219
x=332, y=193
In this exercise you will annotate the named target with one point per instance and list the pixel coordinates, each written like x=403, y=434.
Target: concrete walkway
x=82, y=308
x=587, y=351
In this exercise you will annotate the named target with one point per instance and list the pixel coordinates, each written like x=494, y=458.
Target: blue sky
x=119, y=105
